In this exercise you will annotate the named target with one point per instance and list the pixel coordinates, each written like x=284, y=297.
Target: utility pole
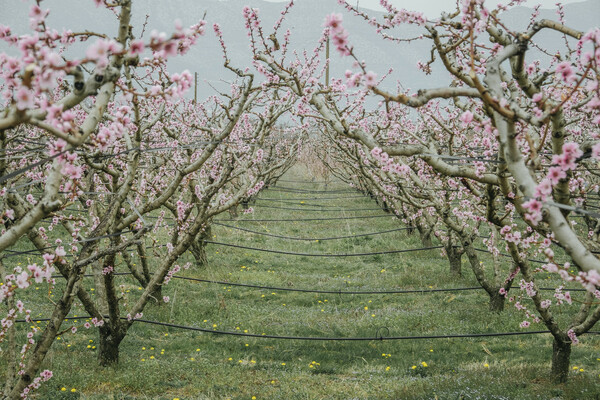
x=327, y=59
x=195, y=88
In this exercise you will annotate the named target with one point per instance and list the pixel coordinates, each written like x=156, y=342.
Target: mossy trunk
x=100, y=290
x=454, y=254
x=245, y=204
x=156, y=295
x=497, y=302
x=108, y=348
x=198, y=248
x=425, y=235
x=455, y=260
x=561, y=358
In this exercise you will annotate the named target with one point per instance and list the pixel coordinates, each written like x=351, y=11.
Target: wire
x=294, y=190
x=340, y=292
x=316, y=338
x=305, y=219
x=319, y=209
x=311, y=239
x=323, y=255
x=314, y=198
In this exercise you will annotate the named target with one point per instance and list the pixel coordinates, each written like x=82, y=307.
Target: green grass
x=166, y=363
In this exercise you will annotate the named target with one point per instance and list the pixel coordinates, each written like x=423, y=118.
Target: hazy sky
x=433, y=8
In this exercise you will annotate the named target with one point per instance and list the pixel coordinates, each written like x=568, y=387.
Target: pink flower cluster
x=337, y=33
x=562, y=163
x=21, y=279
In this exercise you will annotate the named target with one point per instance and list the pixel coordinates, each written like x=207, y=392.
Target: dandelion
x=424, y=364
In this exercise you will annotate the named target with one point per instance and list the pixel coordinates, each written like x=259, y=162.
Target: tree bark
x=455, y=259
x=454, y=254
x=108, y=349
x=425, y=235
x=198, y=248
x=497, y=301
x=561, y=357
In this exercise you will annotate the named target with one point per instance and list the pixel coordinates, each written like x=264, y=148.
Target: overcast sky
x=433, y=8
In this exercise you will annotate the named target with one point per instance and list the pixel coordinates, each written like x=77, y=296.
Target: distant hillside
x=305, y=22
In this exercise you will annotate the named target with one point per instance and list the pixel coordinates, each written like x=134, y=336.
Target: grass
x=167, y=363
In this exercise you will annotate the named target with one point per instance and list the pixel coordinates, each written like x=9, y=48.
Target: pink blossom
x=370, y=79
x=10, y=213
x=572, y=336
x=466, y=117
x=25, y=99
x=545, y=304
x=334, y=21
x=533, y=206
x=22, y=280
x=555, y=174
x=596, y=151
x=543, y=189
x=593, y=277
x=37, y=15
x=565, y=71
x=136, y=47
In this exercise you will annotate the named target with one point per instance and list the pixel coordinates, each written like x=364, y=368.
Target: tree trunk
x=156, y=296
x=497, y=301
x=198, y=250
x=245, y=204
x=425, y=235
x=561, y=357
x=454, y=254
x=108, y=349
x=198, y=247
x=100, y=294
x=455, y=259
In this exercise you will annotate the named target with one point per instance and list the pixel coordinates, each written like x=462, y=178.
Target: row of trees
x=508, y=150
x=106, y=167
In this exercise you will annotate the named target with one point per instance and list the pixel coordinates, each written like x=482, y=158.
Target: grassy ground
x=167, y=363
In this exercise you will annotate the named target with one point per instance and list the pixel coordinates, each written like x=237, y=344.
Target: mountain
x=305, y=22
